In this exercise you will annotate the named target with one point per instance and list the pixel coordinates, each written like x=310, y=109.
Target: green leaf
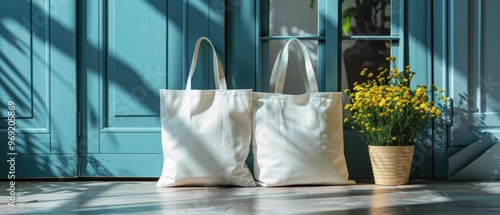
x=311, y=4
x=346, y=25
x=347, y=14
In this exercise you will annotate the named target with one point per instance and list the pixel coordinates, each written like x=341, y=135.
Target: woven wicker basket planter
x=391, y=164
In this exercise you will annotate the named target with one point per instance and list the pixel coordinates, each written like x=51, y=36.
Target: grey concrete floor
x=143, y=197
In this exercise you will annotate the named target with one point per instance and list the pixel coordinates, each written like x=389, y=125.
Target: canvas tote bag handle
x=278, y=74
x=220, y=79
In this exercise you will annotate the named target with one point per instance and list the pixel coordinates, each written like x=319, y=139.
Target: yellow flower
x=363, y=72
x=418, y=91
x=380, y=105
x=433, y=109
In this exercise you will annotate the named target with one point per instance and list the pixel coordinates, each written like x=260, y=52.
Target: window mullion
x=367, y=37
x=312, y=37
x=396, y=17
x=397, y=29
x=329, y=49
x=262, y=58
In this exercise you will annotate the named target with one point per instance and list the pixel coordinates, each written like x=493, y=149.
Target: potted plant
x=388, y=114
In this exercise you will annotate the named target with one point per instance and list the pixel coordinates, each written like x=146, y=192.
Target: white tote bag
x=298, y=139
x=206, y=134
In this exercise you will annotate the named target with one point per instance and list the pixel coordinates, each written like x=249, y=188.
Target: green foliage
x=365, y=12
x=346, y=18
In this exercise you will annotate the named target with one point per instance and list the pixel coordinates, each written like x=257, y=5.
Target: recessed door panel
x=130, y=50
x=38, y=86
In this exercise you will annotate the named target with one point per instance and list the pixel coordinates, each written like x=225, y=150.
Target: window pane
x=366, y=17
x=360, y=54
x=292, y=18
x=293, y=83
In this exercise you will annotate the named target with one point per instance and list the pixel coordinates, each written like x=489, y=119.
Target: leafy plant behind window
x=369, y=15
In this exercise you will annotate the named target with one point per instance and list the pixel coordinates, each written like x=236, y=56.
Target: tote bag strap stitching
x=220, y=79
x=278, y=74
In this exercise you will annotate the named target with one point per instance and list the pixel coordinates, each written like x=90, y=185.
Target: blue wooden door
x=38, y=89
x=129, y=50
x=466, y=61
